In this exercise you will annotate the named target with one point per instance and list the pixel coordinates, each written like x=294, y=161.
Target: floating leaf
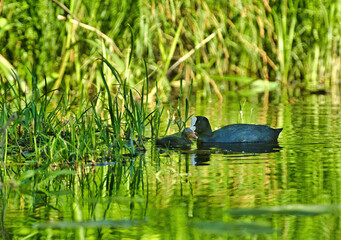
x=296, y=209
x=88, y=224
x=238, y=228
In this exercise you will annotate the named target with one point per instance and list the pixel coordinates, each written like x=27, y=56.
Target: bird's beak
x=192, y=135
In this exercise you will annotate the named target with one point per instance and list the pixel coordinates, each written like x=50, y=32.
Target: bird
x=234, y=133
x=177, y=140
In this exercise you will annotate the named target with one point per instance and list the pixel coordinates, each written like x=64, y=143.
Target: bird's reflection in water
x=201, y=156
x=241, y=147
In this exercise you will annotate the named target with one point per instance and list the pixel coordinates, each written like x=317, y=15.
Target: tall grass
x=295, y=43
x=45, y=132
x=48, y=147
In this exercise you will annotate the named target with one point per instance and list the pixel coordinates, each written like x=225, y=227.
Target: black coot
x=234, y=133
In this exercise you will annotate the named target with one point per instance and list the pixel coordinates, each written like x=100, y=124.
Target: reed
x=294, y=43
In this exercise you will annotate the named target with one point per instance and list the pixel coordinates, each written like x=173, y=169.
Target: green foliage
x=294, y=42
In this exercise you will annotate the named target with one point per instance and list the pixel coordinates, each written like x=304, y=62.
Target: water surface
x=289, y=191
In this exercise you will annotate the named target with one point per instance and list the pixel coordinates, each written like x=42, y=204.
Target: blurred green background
x=221, y=46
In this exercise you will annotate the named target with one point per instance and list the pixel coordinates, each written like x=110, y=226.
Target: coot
x=234, y=133
x=177, y=140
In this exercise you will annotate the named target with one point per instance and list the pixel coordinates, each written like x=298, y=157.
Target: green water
x=291, y=192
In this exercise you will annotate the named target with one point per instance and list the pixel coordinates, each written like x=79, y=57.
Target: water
x=290, y=191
